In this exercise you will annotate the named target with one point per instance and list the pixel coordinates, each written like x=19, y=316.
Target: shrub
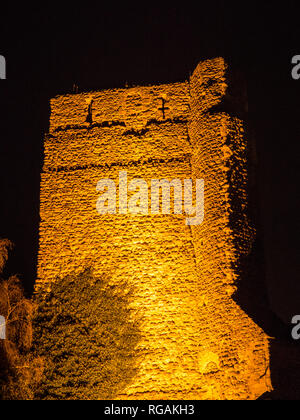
x=20, y=372
x=88, y=334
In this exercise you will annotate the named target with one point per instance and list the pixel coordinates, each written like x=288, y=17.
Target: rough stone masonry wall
x=236, y=351
x=197, y=343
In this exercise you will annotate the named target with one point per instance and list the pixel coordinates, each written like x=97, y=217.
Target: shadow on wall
x=284, y=351
x=88, y=334
x=252, y=295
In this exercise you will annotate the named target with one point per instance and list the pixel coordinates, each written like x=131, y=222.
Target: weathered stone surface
x=135, y=107
x=197, y=342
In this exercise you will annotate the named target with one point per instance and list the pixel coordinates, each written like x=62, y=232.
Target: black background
x=50, y=47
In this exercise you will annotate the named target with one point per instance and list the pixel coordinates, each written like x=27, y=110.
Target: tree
x=20, y=372
x=88, y=334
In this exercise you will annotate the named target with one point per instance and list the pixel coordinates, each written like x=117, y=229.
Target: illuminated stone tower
x=197, y=342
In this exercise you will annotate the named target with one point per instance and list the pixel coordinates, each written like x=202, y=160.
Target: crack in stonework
x=136, y=133
x=103, y=124
x=108, y=124
x=184, y=159
x=176, y=120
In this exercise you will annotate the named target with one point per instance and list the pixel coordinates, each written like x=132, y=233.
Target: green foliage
x=88, y=334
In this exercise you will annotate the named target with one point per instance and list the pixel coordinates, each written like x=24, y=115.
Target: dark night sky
x=48, y=49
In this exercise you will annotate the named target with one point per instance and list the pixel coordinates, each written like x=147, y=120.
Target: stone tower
x=197, y=342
